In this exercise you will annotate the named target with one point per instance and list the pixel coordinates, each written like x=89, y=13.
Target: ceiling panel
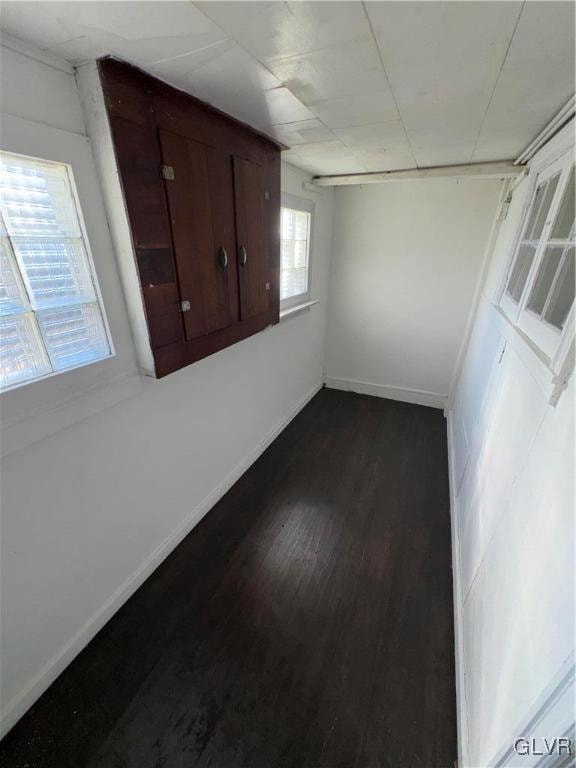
x=303, y=132
x=358, y=109
x=536, y=80
x=34, y=22
x=90, y=29
x=443, y=61
x=462, y=80
x=385, y=161
x=273, y=30
x=329, y=157
x=378, y=137
x=236, y=82
x=332, y=72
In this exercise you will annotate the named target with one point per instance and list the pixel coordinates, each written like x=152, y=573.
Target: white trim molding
x=402, y=394
x=461, y=708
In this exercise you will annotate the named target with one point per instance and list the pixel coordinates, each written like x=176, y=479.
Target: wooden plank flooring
x=305, y=623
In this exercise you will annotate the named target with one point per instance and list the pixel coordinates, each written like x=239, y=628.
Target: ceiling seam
x=485, y=115
x=389, y=83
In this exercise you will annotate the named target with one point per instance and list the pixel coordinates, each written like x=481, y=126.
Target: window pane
x=563, y=295
x=288, y=223
x=565, y=218
x=300, y=253
x=537, y=202
x=287, y=254
x=22, y=356
x=293, y=282
x=13, y=297
x=36, y=199
x=57, y=271
x=301, y=225
x=545, y=278
x=522, y=265
x=542, y=214
x=74, y=335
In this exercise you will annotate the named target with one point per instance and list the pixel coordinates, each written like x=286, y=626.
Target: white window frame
x=45, y=406
x=93, y=277
x=300, y=204
x=549, y=341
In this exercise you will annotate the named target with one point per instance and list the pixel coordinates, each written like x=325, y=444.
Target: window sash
x=290, y=247
x=544, y=335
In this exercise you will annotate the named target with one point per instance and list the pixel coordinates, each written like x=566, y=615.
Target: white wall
x=406, y=259
x=512, y=486
x=82, y=523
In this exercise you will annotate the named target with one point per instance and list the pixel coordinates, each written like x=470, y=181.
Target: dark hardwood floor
x=305, y=623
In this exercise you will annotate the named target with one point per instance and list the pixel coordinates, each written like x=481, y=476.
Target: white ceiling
x=349, y=86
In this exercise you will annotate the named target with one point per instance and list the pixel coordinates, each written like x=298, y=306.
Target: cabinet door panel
x=253, y=274
x=198, y=261
x=222, y=204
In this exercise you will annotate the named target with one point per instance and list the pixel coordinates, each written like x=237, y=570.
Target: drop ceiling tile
x=94, y=29
x=453, y=154
x=284, y=107
x=443, y=48
x=82, y=48
x=443, y=61
x=324, y=158
x=332, y=72
x=433, y=124
x=34, y=21
x=272, y=30
x=327, y=166
x=385, y=161
x=176, y=70
x=379, y=137
x=302, y=132
x=536, y=81
x=359, y=109
x=234, y=82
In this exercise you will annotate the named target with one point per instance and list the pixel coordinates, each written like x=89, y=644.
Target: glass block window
x=51, y=318
x=295, y=255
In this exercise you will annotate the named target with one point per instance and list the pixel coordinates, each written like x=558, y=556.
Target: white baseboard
x=416, y=396
x=461, y=709
x=20, y=703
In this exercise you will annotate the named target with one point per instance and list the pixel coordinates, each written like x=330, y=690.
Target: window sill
x=297, y=308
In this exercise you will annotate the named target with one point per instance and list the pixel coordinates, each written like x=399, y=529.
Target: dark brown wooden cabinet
x=202, y=193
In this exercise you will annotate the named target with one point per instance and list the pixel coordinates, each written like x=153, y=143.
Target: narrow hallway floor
x=306, y=622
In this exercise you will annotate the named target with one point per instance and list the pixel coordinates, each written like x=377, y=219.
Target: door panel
x=222, y=204
x=254, y=279
x=201, y=268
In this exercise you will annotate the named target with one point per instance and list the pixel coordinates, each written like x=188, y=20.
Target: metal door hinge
x=266, y=195
x=185, y=306
x=168, y=172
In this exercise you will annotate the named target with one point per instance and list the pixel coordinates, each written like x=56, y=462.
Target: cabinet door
x=253, y=273
x=202, y=262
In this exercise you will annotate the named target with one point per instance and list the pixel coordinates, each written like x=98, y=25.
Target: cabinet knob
x=223, y=258
x=243, y=256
